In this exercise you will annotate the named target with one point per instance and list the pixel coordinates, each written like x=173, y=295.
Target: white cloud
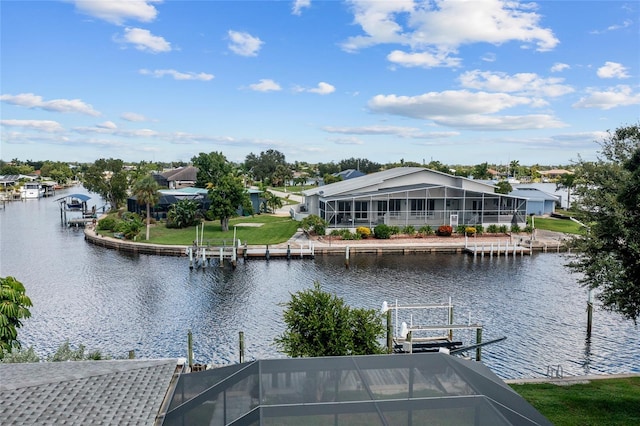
x=625, y=24
x=265, y=85
x=621, y=95
x=450, y=102
x=145, y=41
x=178, y=75
x=446, y=25
x=47, y=126
x=521, y=83
x=346, y=141
x=298, y=5
x=107, y=125
x=506, y=122
x=423, y=59
x=118, y=11
x=321, y=89
x=29, y=100
x=405, y=132
x=132, y=116
x=612, y=70
x=559, y=67
x=244, y=44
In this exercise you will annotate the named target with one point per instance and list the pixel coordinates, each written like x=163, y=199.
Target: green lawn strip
x=558, y=225
x=274, y=230
x=600, y=402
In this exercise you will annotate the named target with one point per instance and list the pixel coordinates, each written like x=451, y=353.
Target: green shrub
x=395, y=230
x=515, y=228
x=493, y=229
x=470, y=230
x=363, y=231
x=445, y=231
x=502, y=229
x=314, y=224
x=348, y=235
x=336, y=232
x=460, y=229
x=382, y=231
x=528, y=229
x=409, y=230
x=107, y=224
x=479, y=229
x=426, y=230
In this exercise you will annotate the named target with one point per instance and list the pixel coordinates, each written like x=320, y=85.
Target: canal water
x=116, y=302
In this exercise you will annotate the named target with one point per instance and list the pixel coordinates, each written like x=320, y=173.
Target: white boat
x=32, y=190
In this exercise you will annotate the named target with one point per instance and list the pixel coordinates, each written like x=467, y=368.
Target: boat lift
x=404, y=340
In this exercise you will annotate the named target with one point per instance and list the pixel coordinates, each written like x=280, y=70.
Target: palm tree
x=14, y=305
x=567, y=181
x=146, y=191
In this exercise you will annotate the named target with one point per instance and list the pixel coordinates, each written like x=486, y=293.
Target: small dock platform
x=497, y=249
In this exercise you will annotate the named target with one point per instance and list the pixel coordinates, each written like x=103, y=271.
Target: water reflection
x=118, y=302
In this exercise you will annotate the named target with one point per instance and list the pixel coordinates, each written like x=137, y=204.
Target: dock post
x=389, y=333
x=132, y=354
x=190, y=251
x=346, y=257
x=244, y=252
x=204, y=257
x=478, y=342
x=190, y=348
x=241, y=336
x=267, y=252
x=450, y=319
x=288, y=251
x=221, y=257
x=410, y=340
x=589, y=312
x=491, y=253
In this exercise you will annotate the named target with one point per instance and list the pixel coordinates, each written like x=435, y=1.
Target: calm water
x=116, y=302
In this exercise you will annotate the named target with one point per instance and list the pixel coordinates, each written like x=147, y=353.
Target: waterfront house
x=177, y=178
x=538, y=202
x=413, y=196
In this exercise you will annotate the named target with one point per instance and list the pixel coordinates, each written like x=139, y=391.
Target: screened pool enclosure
x=417, y=389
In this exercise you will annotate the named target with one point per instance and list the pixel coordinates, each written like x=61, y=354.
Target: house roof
x=372, y=389
x=188, y=173
x=85, y=392
x=533, y=194
x=356, y=184
x=349, y=174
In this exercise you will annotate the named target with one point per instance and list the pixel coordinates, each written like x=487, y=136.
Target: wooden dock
x=203, y=256
x=497, y=249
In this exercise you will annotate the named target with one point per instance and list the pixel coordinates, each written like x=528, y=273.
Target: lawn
x=600, y=402
x=271, y=230
x=558, y=225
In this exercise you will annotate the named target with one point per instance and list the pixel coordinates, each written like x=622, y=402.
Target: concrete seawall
x=327, y=247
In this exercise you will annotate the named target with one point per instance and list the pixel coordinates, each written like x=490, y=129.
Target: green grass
x=558, y=225
x=609, y=402
x=274, y=230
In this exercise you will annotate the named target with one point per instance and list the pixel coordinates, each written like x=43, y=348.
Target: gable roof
x=188, y=173
x=533, y=194
x=353, y=185
x=85, y=392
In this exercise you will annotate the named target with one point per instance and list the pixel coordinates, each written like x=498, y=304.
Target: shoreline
x=546, y=241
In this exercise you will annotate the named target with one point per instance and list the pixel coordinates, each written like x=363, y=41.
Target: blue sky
x=461, y=82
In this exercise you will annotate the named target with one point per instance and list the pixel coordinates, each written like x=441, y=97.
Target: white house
x=413, y=196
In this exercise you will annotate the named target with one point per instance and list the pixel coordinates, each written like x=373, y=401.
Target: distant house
x=413, y=196
x=539, y=202
x=554, y=173
x=178, y=178
x=349, y=174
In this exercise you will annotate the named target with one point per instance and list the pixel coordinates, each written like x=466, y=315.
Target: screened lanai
x=416, y=389
x=420, y=205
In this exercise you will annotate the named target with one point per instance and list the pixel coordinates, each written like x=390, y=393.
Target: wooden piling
x=589, y=313
x=346, y=257
x=389, y=332
x=478, y=342
x=241, y=337
x=190, y=348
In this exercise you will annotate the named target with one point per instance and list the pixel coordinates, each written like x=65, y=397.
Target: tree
x=146, y=191
x=14, y=305
x=504, y=187
x=361, y=164
x=567, y=181
x=227, y=196
x=608, y=255
x=263, y=167
x=182, y=214
x=281, y=175
x=211, y=168
x=481, y=171
x=108, y=179
x=321, y=324
x=272, y=200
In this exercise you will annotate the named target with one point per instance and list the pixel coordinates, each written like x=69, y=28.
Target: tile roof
x=114, y=392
